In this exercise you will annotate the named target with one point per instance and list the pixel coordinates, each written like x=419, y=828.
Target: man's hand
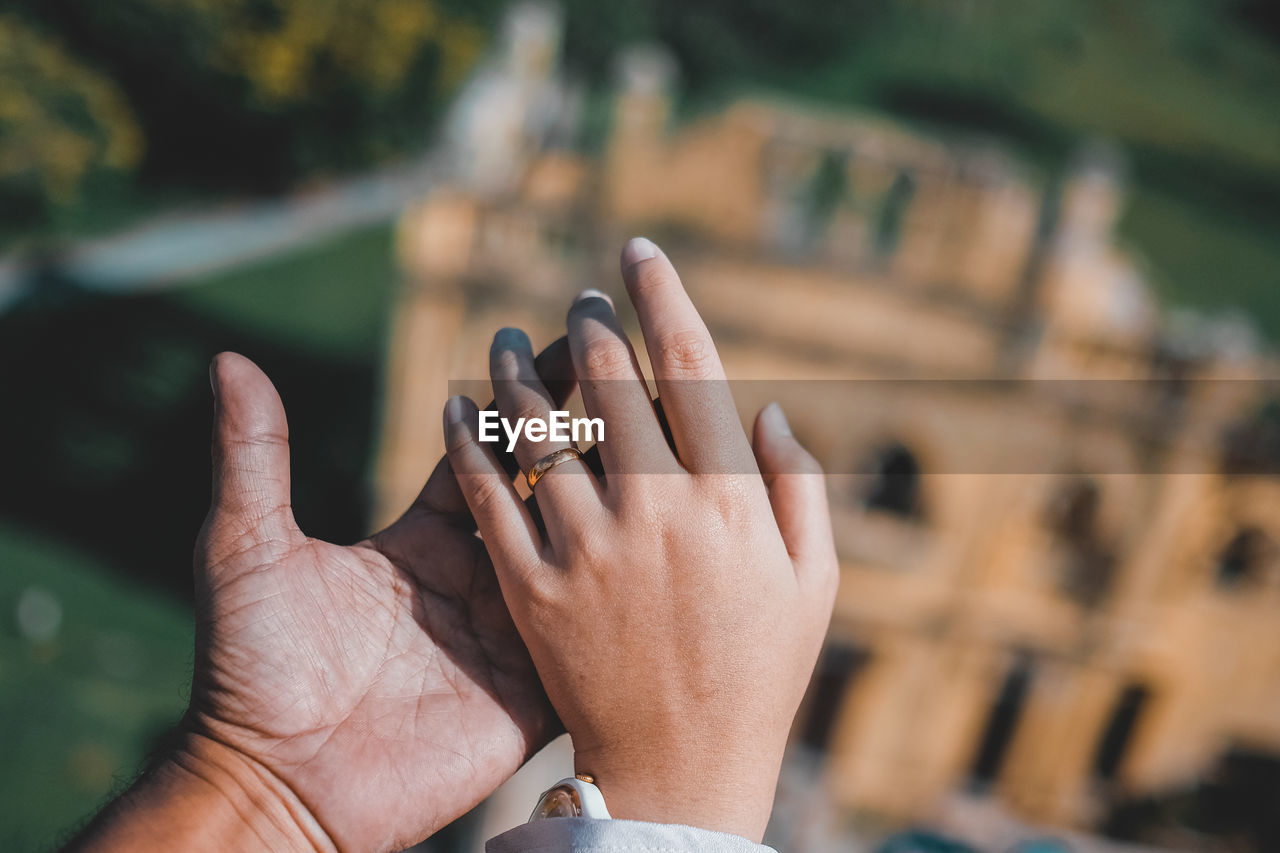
x=355, y=697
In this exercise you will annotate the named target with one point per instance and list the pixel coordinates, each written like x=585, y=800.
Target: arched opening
x=839, y=665
x=1241, y=561
x=1085, y=564
x=1002, y=723
x=893, y=213
x=895, y=483
x=1073, y=512
x=1252, y=446
x=1117, y=736
x=827, y=190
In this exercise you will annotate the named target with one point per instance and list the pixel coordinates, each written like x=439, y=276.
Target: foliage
x=254, y=94
x=59, y=122
x=718, y=40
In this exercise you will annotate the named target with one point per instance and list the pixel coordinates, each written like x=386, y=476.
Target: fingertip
x=227, y=366
x=592, y=293
x=638, y=250
x=645, y=268
x=774, y=421
x=769, y=429
x=776, y=448
x=246, y=400
x=511, y=356
x=590, y=304
x=511, y=338
x=221, y=367
x=250, y=448
x=459, y=412
x=213, y=377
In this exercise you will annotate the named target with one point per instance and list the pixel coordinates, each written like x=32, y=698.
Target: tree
x=60, y=121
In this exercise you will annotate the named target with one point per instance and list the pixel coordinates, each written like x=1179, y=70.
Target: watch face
x=560, y=801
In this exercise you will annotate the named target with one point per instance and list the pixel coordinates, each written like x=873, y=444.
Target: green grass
x=1212, y=260
x=79, y=712
x=332, y=298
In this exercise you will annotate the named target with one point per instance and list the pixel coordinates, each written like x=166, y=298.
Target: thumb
x=251, y=501
x=798, y=494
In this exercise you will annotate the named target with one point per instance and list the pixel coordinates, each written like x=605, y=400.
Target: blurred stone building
x=1053, y=503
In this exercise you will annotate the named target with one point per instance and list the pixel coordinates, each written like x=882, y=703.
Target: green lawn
x=1214, y=259
x=81, y=710
x=332, y=298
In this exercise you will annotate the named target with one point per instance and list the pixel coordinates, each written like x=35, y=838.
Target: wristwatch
x=576, y=796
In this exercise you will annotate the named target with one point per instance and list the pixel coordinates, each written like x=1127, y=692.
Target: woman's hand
x=355, y=698
x=674, y=607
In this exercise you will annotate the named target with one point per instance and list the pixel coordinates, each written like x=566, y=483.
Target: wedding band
x=551, y=460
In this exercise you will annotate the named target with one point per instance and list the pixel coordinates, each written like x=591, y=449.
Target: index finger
x=691, y=381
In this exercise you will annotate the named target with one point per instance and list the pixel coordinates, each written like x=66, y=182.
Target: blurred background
x=1075, y=651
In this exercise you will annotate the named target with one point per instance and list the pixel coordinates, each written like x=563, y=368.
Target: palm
x=384, y=683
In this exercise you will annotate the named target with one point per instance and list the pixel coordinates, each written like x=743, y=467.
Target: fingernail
x=510, y=337
x=592, y=293
x=638, y=249
x=213, y=377
x=455, y=411
x=456, y=420
x=775, y=420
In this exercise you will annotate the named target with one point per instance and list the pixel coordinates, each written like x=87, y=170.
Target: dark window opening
x=1086, y=564
x=830, y=684
x=1073, y=513
x=1242, y=559
x=895, y=487
x=1234, y=804
x=1001, y=725
x=893, y=212
x=1119, y=732
x=828, y=189
x=1252, y=447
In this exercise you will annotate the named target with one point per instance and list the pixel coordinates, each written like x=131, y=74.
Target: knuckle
x=687, y=351
x=257, y=440
x=645, y=506
x=486, y=496
x=577, y=545
x=734, y=511
x=606, y=357
x=543, y=601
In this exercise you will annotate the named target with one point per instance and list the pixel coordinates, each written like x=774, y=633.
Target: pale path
x=175, y=248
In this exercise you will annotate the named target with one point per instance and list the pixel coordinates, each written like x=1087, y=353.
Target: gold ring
x=551, y=460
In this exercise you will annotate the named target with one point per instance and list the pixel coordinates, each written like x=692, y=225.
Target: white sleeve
x=582, y=835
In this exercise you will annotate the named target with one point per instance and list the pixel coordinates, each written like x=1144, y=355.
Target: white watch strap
x=571, y=797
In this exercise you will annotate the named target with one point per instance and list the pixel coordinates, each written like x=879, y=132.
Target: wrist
x=723, y=794
x=206, y=796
